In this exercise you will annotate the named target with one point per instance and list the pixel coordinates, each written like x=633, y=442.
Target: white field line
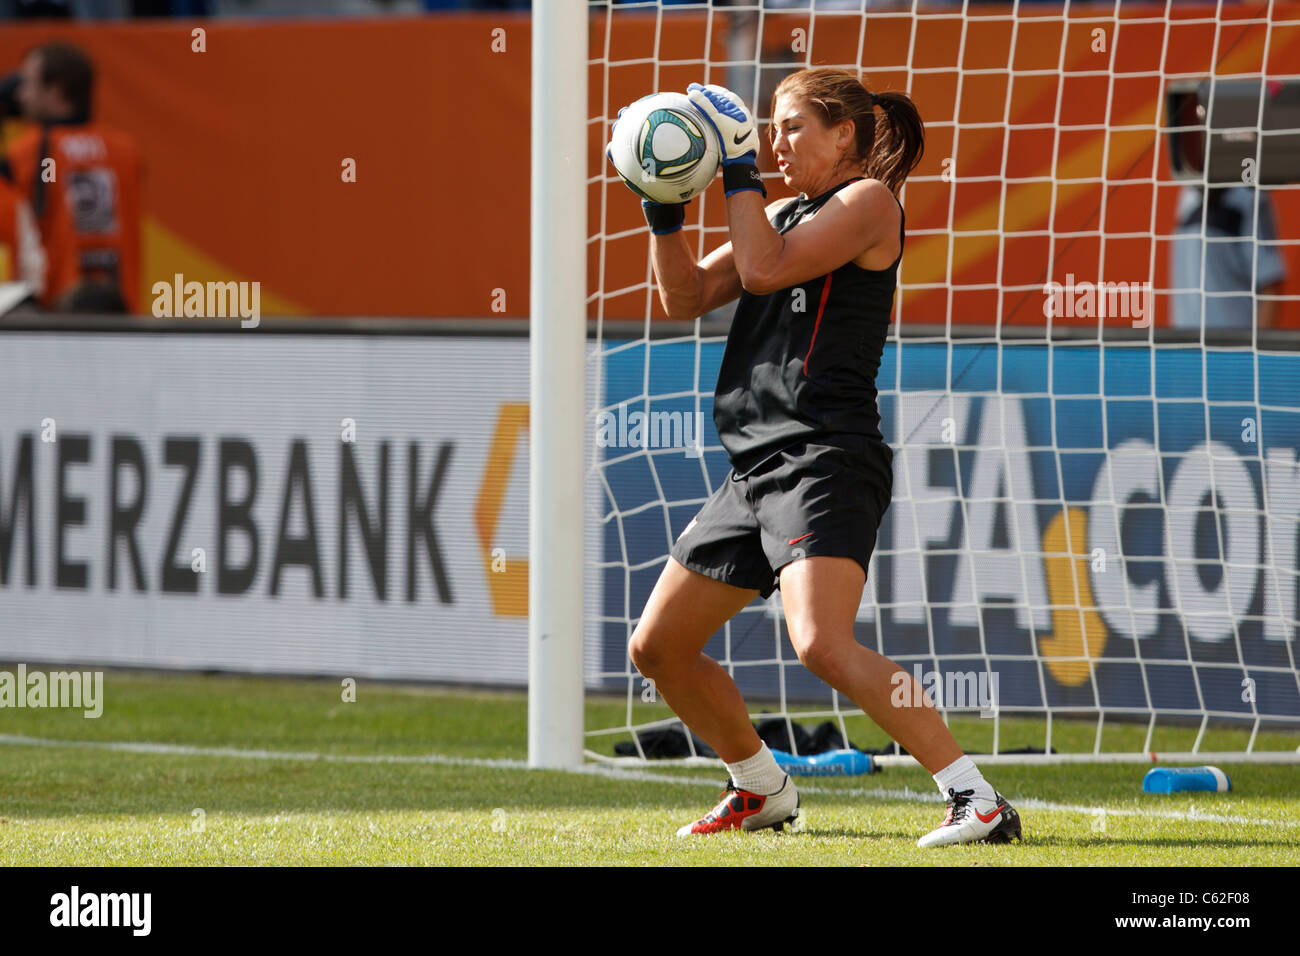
x=614, y=773
x=185, y=750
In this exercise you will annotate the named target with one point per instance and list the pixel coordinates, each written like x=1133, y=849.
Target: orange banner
x=247, y=147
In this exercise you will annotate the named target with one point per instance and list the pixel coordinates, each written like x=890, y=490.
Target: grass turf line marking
x=597, y=770
x=186, y=750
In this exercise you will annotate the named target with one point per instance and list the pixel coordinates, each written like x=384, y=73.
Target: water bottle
x=1175, y=779
x=833, y=763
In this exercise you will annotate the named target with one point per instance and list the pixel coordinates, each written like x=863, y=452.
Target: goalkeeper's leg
x=821, y=596
x=683, y=611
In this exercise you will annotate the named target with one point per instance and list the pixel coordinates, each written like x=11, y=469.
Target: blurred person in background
x=22, y=259
x=1238, y=257
x=24, y=265
x=69, y=166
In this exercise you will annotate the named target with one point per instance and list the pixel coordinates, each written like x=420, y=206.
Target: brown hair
x=67, y=68
x=838, y=95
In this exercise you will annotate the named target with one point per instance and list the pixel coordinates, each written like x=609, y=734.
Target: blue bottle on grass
x=833, y=763
x=1176, y=779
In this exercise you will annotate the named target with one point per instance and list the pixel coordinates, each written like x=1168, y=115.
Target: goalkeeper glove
x=737, y=136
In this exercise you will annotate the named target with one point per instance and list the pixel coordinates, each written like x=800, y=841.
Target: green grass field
x=223, y=770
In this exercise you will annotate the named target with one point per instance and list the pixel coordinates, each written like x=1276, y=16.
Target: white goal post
x=557, y=412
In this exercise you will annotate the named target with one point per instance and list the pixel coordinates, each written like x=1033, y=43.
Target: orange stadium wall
x=244, y=147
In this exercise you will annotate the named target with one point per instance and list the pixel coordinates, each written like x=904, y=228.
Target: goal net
x=1087, y=388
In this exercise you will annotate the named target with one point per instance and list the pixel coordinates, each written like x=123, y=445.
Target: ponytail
x=899, y=145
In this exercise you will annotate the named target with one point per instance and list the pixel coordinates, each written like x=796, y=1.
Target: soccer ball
x=664, y=148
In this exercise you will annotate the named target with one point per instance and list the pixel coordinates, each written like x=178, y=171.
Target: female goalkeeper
x=795, y=409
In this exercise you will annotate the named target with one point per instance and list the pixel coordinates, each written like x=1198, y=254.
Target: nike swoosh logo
x=739, y=139
x=800, y=538
x=989, y=818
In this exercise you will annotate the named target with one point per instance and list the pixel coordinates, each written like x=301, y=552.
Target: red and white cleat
x=742, y=810
x=973, y=819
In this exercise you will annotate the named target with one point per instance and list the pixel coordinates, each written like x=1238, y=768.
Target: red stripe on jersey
x=826, y=291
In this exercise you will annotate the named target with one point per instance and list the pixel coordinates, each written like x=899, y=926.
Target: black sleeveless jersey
x=800, y=363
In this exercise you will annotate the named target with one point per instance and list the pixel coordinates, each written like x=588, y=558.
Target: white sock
x=757, y=774
x=962, y=774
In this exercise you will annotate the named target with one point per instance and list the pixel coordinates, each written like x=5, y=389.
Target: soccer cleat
x=742, y=810
x=972, y=819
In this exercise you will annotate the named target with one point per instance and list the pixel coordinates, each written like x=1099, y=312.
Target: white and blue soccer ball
x=664, y=148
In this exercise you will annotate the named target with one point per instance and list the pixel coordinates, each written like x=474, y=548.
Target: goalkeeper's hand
x=731, y=120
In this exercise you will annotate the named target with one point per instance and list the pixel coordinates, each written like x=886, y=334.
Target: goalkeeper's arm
x=688, y=288
x=859, y=217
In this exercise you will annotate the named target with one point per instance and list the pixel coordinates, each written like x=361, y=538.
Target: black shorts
x=808, y=500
